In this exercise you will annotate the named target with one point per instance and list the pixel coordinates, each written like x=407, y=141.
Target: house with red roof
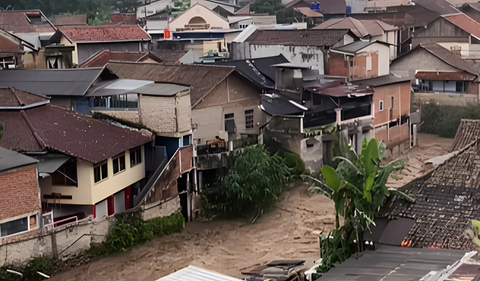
x=86, y=166
x=101, y=59
x=89, y=40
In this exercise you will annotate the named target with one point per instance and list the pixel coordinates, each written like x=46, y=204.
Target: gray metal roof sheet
x=354, y=47
x=131, y=86
x=393, y=263
x=11, y=159
x=193, y=273
x=51, y=82
x=51, y=162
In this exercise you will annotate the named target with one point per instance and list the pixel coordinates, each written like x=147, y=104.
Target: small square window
x=135, y=156
x=118, y=164
x=380, y=107
x=100, y=171
x=249, y=119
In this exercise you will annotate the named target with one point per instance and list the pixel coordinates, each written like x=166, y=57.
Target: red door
x=111, y=208
x=128, y=198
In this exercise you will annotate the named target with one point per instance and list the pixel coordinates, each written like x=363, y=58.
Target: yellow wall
x=88, y=192
x=199, y=11
x=74, y=53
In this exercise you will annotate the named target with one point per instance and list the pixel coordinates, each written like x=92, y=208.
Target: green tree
x=254, y=181
x=358, y=188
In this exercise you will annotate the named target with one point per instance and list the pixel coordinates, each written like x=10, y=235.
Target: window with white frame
x=118, y=164
x=54, y=62
x=100, y=171
x=380, y=106
x=15, y=226
x=249, y=119
x=135, y=156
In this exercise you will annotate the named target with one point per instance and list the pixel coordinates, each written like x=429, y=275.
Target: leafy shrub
x=34, y=265
x=254, y=181
x=28, y=270
x=295, y=163
x=130, y=229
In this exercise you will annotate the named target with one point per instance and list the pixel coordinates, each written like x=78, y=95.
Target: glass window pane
x=13, y=227
x=122, y=162
x=115, y=165
x=104, y=171
x=96, y=172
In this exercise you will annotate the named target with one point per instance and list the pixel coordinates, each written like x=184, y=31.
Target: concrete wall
x=306, y=56
x=65, y=242
x=401, y=94
x=199, y=11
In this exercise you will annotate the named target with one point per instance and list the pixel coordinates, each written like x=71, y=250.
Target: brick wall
x=158, y=113
x=337, y=65
x=19, y=192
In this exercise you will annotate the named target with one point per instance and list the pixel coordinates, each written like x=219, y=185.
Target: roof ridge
x=16, y=96
x=32, y=129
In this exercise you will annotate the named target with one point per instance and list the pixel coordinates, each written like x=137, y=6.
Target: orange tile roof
x=466, y=23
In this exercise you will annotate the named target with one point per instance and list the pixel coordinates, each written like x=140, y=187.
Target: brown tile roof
x=360, y=28
x=19, y=22
x=104, y=57
x=446, y=200
x=49, y=127
x=449, y=57
x=468, y=131
x=105, y=33
x=202, y=79
x=11, y=97
x=466, y=23
x=297, y=37
x=170, y=56
x=309, y=13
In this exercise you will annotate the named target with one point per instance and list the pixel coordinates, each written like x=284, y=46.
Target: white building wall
x=307, y=56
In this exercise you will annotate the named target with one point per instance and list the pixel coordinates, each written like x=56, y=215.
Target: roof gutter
x=24, y=107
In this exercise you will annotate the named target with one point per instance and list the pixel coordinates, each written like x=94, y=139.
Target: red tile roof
x=11, y=97
x=25, y=22
x=49, y=127
x=105, y=33
x=466, y=23
x=104, y=57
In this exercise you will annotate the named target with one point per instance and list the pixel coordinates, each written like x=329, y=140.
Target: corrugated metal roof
x=51, y=82
x=381, y=80
x=11, y=159
x=392, y=263
x=193, y=273
x=354, y=47
x=466, y=23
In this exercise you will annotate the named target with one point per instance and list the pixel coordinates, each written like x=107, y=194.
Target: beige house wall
x=88, y=192
x=65, y=42
x=211, y=18
x=233, y=95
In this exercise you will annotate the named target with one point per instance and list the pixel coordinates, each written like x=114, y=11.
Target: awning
x=445, y=76
x=50, y=163
x=280, y=107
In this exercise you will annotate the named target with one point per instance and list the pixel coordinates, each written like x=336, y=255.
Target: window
x=249, y=119
x=135, y=156
x=7, y=62
x=54, y=62
x=392, y=102
x=118, y=164
x=66, y=174
x=14, y=226
x=229, y=123
x=100, y=171
x=380, y=108
x=369, y=63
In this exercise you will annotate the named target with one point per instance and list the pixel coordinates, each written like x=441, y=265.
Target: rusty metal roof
x=53, y=128
x=201, y=78
x=105, y=33
x=20, y=22
x=441, y=76
x=465, y=22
